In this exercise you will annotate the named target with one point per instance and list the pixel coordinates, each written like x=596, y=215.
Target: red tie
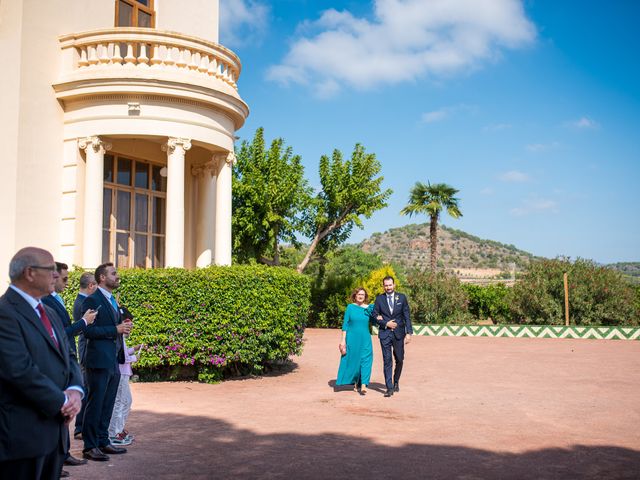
x=47, y=323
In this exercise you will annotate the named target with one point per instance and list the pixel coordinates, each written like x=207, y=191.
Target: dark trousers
x=39, y=468
x=391, y=345
x=103, y=388
x=80, y=416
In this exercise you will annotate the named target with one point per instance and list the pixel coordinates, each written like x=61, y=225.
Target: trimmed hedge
x=212, y=322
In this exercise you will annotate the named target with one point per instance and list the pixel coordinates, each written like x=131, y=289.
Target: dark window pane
x=143, y=2
x=123, y=214
x=142, y=213
x=157, y=246
x=158, y=215
x=106, y=208
x=158, y=182
x=105, y=246
x=140, y=249
x=142, y=175
x=125, y=12
x=122, y=250
x=144, y=19
x=124, y=171
x=108, y=168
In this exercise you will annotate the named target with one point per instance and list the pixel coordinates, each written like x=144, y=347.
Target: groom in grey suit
x=391, y=314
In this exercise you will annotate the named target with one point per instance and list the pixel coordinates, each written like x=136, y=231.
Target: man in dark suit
x=391, y=314
x=88, y=285
x=104, y=345
x=72, y=329
x=40, y=381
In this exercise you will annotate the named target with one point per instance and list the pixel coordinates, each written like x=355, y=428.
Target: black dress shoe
x=113, y=450
x=96, y=455
x=388, y=393
x=396, y=387
x=73, y=461
x=64, y=474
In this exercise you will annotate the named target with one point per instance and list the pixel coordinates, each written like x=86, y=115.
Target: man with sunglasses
x=72, y=329
x=40, y=381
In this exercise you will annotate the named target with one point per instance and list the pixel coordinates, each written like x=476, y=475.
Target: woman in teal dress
x=355, y=365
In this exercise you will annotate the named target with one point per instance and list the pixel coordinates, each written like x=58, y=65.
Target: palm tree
x=431, y=199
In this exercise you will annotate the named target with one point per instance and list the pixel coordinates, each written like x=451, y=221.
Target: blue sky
x=530, y=109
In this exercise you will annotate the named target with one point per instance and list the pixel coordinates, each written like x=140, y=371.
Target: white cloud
x=583, y=123
x=487, y=191
x=542, y=147
x=404, y=40
x=535, y=205
x=242, y=21
x=514, y=176
x=496, y=127
x=445, y=112
x=435, y=116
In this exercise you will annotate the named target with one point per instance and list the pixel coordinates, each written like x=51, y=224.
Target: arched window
x=135, y=13
x=134, y=208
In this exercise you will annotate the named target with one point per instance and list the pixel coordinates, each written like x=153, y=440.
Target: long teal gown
x=355, y=366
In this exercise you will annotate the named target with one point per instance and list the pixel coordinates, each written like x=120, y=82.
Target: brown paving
x=469, y=408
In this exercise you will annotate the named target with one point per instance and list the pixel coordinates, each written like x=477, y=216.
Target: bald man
x=40, y=381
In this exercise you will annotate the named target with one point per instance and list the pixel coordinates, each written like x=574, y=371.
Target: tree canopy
x=350, y=189
x=270, y=194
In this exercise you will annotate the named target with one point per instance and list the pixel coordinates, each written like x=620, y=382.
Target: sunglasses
x=51, y=268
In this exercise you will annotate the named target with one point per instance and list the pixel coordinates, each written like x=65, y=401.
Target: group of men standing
x=42, y=387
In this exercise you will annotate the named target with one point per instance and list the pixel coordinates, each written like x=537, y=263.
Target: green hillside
x=408, y=246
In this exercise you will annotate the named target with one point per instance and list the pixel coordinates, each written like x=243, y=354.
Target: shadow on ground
x=174, y=446
x=373, y=386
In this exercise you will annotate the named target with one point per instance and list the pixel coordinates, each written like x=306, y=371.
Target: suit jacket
x=400, y=315
x=70, y=328
x=77, y=316
x=104, y=343
x=34, y=373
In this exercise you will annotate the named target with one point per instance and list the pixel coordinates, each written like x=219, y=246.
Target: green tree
x=333, y=279
x=437, y=298
x=597, y=295
x=269, y=195
x=432, y=199
x=350, y=190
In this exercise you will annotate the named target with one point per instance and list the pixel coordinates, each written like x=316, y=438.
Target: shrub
x=437, y=298
x=334, y=279
x=597, y=295
x=212, y=322
x=373, y=284
x=488, y=301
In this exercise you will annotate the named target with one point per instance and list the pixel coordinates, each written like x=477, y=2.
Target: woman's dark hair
x=358, y=290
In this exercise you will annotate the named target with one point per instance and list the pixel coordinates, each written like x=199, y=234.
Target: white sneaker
x=118, y=442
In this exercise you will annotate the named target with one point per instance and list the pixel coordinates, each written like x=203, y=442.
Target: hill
x=631, y=270
x=458, y=251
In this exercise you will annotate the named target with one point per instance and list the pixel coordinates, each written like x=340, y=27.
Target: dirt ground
x=469, y=408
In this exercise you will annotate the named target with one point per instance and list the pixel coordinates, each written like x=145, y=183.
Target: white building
x=117, y=122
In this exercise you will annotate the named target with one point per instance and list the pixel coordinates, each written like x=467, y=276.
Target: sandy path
x=468, y=408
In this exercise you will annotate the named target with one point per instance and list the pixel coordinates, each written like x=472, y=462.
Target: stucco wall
x=38, y=167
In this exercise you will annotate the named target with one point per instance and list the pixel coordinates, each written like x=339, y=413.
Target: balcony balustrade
x=147, y=52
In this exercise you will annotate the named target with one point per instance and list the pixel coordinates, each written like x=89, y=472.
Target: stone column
x=93, y=198
x=223, y=209
x=205, y=211
x=174, y=239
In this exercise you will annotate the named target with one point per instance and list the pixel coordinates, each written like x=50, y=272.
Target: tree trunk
x=276, y=250
x=433, y=236
x=307, y=257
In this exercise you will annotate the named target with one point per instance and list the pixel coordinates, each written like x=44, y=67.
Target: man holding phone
x=104, y=348
x=72, y=329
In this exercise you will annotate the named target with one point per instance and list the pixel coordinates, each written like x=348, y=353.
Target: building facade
x=118, y=123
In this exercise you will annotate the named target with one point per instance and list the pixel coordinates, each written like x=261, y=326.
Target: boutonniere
x=397, y=298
